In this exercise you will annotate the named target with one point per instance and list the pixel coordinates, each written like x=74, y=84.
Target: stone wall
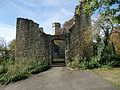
x=31, y=42
x=79, y=43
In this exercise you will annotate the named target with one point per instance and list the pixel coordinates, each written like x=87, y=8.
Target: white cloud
x=7, y=32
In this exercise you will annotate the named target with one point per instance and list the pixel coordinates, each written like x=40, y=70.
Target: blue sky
x=44, y=12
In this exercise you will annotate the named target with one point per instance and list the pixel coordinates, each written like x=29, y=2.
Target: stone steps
x=58, y=63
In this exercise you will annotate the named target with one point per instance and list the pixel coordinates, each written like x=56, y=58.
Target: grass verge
x=112, y=75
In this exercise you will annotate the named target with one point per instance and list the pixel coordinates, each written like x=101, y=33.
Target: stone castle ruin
x=72, y=42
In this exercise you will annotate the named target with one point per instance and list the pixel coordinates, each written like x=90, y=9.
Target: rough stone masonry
x=33, y=44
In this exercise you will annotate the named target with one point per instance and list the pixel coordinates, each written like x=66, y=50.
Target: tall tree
x=3, y=49
x=12, y=47
x=104, y=8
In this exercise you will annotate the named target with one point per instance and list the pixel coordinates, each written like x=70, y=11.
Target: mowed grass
x=112, y=75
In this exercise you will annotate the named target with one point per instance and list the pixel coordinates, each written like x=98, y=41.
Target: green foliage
x=12, y=47
x=103, y=47
x=21, y=70
x=38, y=66
x=103, y=7
x=109, y=57
x=84, y=64
x=94, y=62
x=105, y=57
x=90, y=64
x=73, y=64
x=5, y=64
x=11, y=70
x=14, y=72
x=104, y=52
x=13, y=76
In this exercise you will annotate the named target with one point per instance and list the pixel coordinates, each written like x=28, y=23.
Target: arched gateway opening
x=58, y=50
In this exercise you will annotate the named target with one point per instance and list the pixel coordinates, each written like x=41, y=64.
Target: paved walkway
x=59, y=78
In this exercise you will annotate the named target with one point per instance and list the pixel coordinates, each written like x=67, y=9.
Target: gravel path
x=59, y=78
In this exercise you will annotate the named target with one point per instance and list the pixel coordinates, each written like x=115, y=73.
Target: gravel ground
x=60, y=78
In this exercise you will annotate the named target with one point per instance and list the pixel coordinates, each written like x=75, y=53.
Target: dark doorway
x=57, y=51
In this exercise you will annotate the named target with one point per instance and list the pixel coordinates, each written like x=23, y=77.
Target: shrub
x=22, y=69
x=84, y=65
x=38, y=66
x=109, y=57
x=89, y=64
x=94, y=62
x=73, y=64
x=15, y=72
x=5, y=64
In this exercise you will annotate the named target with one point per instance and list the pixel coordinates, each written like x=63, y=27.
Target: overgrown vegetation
x=12, y=70
x=104, y=49
x=104, y=52
x=103, y=8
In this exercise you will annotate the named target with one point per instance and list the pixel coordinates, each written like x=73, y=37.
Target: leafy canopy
x=103, y=7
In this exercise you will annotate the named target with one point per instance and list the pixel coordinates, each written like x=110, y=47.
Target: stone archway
x=58, y=50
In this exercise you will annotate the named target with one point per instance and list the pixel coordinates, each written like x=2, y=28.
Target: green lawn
x=112, y=75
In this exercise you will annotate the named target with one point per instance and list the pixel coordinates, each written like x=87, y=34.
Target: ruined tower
x=33, y=44
x=56, y=28
x=79, y=46
x=56, y=31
